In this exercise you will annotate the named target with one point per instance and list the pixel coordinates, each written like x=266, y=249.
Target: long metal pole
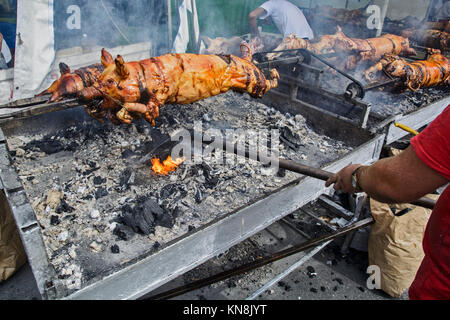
x=259, y=263
x=303, y=169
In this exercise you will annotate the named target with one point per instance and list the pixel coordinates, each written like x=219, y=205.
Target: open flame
x=167, y=165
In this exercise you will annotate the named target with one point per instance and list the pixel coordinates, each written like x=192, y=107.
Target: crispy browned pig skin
x=139, y=88
x=430, y=38
x=354, y=50
x=72, y=83
x=424, y=73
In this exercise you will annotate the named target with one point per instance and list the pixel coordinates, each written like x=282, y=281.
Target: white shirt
x=288, y=18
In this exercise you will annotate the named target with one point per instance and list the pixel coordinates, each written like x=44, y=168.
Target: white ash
x=87, y=163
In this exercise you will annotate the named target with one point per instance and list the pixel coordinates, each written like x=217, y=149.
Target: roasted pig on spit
x=430, y=38
x=72, y=83
x=131, y=90
x=340, y=15
x=221, y=45
x=434, y=71
x=353, y=50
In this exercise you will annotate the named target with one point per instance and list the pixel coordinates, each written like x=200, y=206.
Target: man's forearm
x=374, y=184
x=254, y=26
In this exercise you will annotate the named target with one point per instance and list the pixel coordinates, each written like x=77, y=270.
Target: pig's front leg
x=130, y=110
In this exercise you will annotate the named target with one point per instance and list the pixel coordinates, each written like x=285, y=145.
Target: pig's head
x=119, y=80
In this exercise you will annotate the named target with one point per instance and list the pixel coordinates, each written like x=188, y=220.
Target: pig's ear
x=121, y=68
x=106, y=58
x=64, y=68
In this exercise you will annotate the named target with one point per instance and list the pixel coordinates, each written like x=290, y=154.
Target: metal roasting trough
x=151, y=268
x=349, y=117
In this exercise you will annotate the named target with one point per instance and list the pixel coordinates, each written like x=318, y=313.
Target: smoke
x=110, y=23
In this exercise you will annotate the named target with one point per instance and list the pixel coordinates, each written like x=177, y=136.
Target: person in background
x=288, y=18
x=419, y=170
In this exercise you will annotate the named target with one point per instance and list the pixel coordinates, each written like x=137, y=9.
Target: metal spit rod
x=305, y=170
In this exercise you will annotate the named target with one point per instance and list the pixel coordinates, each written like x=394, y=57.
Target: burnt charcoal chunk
x=281, y=173
x=291, y=139
x=125, y=179
x=339, y=280
x=54, y=220
x=198, y=196
x=127, y=154
x=168, y=190
x=311, y=272
x=63, y=207
x=190, y=228
x=145, y=216
x=123, y=232
x=314, y=290
x=49, y=146
x=99, y=180
x=115, y=249
x=139, y=220
x=156, y=245
x=162, y=217
x=100, y=193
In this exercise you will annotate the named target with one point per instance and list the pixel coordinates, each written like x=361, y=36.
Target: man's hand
x=253, y=20
x=342, y=180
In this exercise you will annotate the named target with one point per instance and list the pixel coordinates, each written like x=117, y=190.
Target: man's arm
x=1, y=41
x=253, y=20
x=400, y=179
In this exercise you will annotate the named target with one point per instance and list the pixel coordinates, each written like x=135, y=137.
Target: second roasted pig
x=434, y=71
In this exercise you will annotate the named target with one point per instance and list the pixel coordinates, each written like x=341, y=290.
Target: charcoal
x=168, y=190
x=54, y=220
x=100, y=193
x=311, y=272
x=139, y=220
x=291, y=139
x=64, y=207
x=49, y=146
x=156, y=245
x=127, y=154
x=125, y=179
x=123, y=232
x=99, y=180
x=198, y=195
x=115, y=248
x=145, y=216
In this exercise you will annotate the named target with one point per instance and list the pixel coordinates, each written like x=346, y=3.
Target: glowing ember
x=167, y=165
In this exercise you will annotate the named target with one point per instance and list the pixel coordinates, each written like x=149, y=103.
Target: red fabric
x=432, y=280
